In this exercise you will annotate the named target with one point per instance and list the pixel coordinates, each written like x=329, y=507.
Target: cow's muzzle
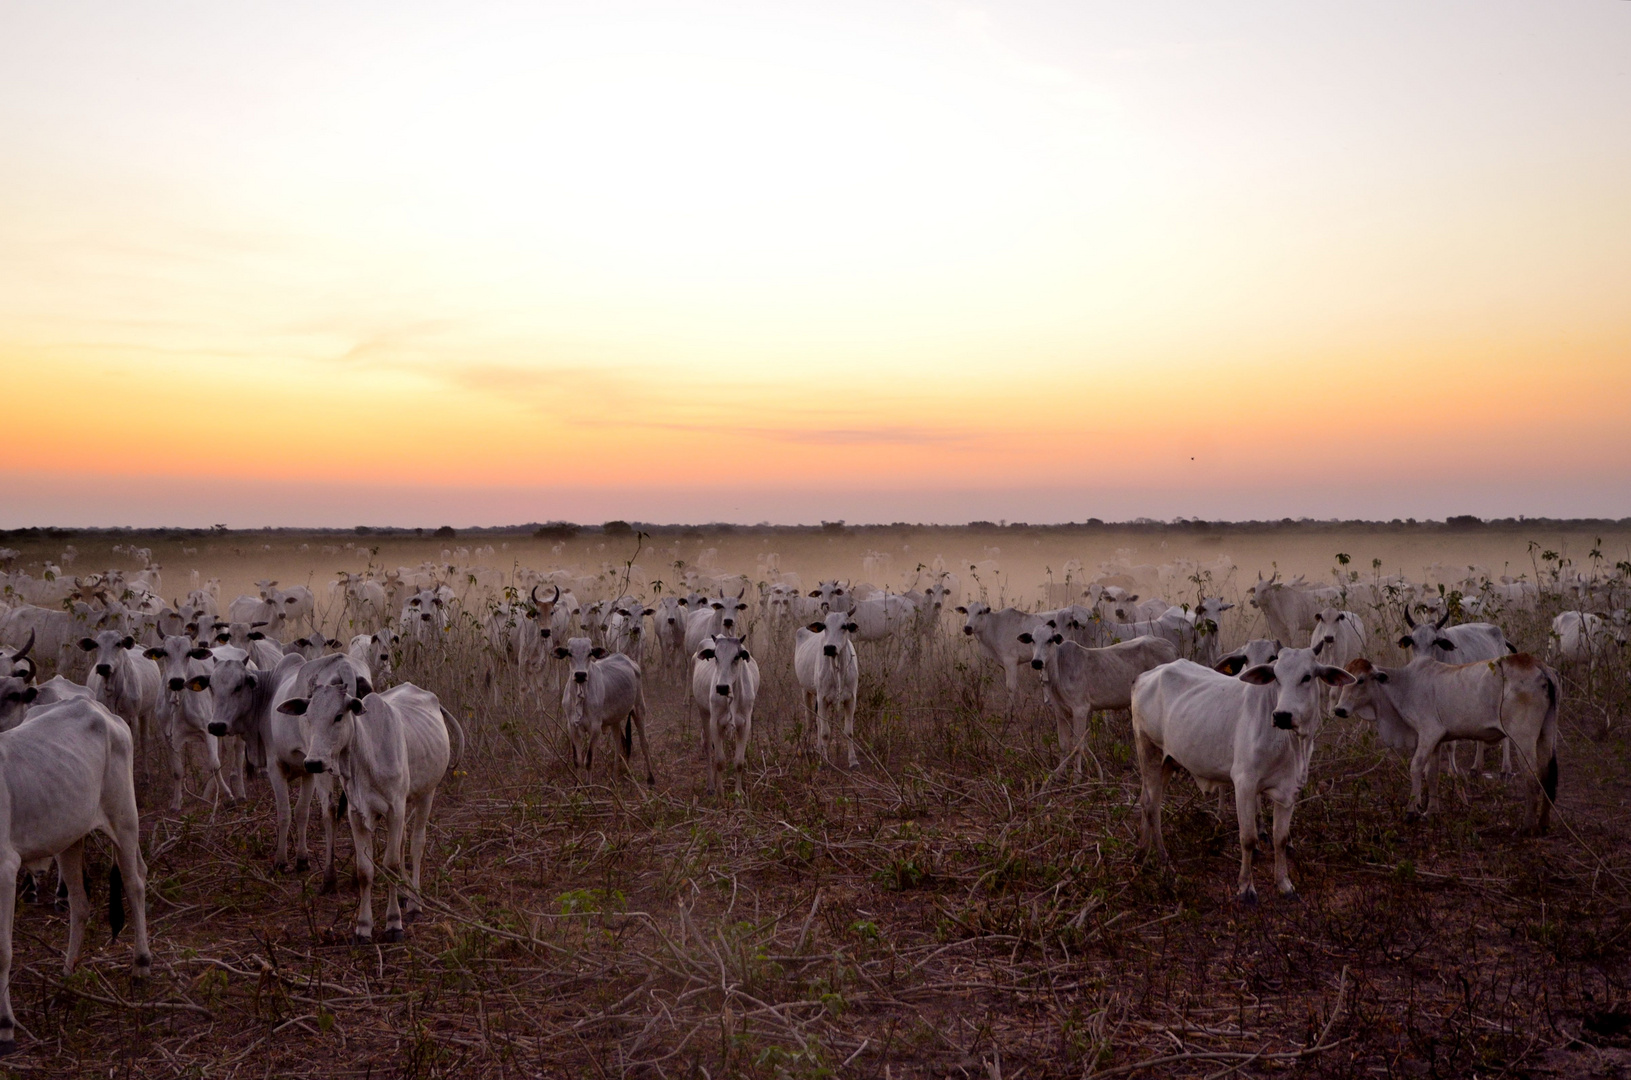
x=178, y=684
x=1038, y=665
x=217, y=728
x=1340, y=713
x=104, y=670
x=313, y=766
x=829, y=650
x=580, y=676
x=1283, y=721
x=722, y=690
x=969, y=630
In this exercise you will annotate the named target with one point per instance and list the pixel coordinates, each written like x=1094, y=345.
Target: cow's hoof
x=8, y=1046
x=410, y=917
x=302, y=864
x=362, y=939
x=330, y=886
x=394, y=934
x=59, y=905
x=1248, y=898
x=1411, y=817
x=1292, y=895
x=143, y=968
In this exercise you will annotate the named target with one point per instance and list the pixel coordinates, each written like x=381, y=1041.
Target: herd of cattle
x=264, y=690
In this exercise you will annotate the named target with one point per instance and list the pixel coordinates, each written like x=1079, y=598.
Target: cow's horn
x=1442, y=619
x=27, y=645
x=1408, y=621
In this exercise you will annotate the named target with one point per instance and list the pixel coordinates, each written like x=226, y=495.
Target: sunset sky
x=472, y=264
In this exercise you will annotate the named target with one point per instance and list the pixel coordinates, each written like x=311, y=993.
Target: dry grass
x=945, y=910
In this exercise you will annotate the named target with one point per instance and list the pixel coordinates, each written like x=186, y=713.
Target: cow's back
x=424, y=734
x=60, y=767
x=1191, y=713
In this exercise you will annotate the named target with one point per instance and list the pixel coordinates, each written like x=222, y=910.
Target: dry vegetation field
x=946, y=910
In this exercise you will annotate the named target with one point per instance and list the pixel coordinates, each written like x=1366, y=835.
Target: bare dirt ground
x=945, y=910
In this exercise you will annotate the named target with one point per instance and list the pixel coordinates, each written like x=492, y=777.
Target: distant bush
x=447, y=532
x=556, y=530
x=617, y=528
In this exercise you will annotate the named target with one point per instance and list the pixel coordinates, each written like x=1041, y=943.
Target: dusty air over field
x=915, y=539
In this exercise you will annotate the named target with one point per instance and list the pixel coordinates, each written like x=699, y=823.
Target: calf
x=825, y=664
x=1255, y=732
x=603, y=693
x=372, y=655
x=188, y=714
x=390, y=751
x=725, y=684
x=1080, y=680
x=997, y=634
x=64, y=774
x=1419, y=706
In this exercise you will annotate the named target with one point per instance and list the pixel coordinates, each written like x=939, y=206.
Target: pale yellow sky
x=924, y=261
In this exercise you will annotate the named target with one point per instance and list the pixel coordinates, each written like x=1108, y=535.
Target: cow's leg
x=178, y=763
x=362, y=841
x=1153, y=773
x=743, y=731
x=71, y=863
x=233, y=763
x=217, y=785
x=639, y=715
x=127, y=849
x=1506, y=759
x=1282, y=833
x=849, y=731
x=1478, y=758
x=9, y=863
x=1246, y=811
x=302, y=820
x=395, y=823
x=716, y=750
x=280, y=802
x=820, y=709
x=418, y=821
x=325, y=799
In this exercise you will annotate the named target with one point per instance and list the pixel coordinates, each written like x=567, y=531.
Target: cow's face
x=730, y=656
x=105, y=649
x=172, y=657
x=328, y=723
x=579, y=653
x=834, y=595
x=1254, y=652
x=1359, y=697
x=1044, y=641
x=233, y=686
x=835, y=630
x=1293, y=675
x=15, y=696
x=977, y=615
x=1426, y=640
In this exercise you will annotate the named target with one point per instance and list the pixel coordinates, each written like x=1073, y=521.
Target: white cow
x=65, y=773
x=1464, y=644
x=124, y=681
x=603, y=694
x=390, y=752
x=1079, y=680
x=1421, y=705
x=669, y=619
x=626, y=630
x=1255, y=732
x=712, y=618
x=725, y=685
x=187, y=717
x=834, y=595
x=882, y=617
x=372, y=653
x=1288, y=607
x=825, y=664
x=997, y=634
x=1338, y=639
x=1582, y=637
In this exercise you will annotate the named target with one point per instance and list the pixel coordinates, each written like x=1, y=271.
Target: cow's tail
x=455, y=731
x=628, y=735
x=116, y=900
x=1548, y=779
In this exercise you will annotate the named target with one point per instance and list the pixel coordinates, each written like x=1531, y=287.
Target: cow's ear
x=1405, y=642
x=706, y=654
x=199, y=653
x=252, y=681
x=30, y=693
x=198, y=682
x=88, y=644
x=1230, y=665
x=1132, y=598
x=355, y=705
x=1443, y=643
x=333, y=643
x=743, y=654
x=1057, y=639
x=364, y=687
x=127, y=642
x=561, y=653
x=1260, y=675
x=1027, y=639
x=596, y=653
x=293, y=707
x=960, y=609
x=816, y=627
x=815, y=592
x=1381, y=676
x=1334, y=676
x=649, y=611
x=256, y=635
x=155, y=653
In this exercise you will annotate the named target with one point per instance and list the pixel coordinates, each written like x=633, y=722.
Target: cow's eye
x=1307, y=678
